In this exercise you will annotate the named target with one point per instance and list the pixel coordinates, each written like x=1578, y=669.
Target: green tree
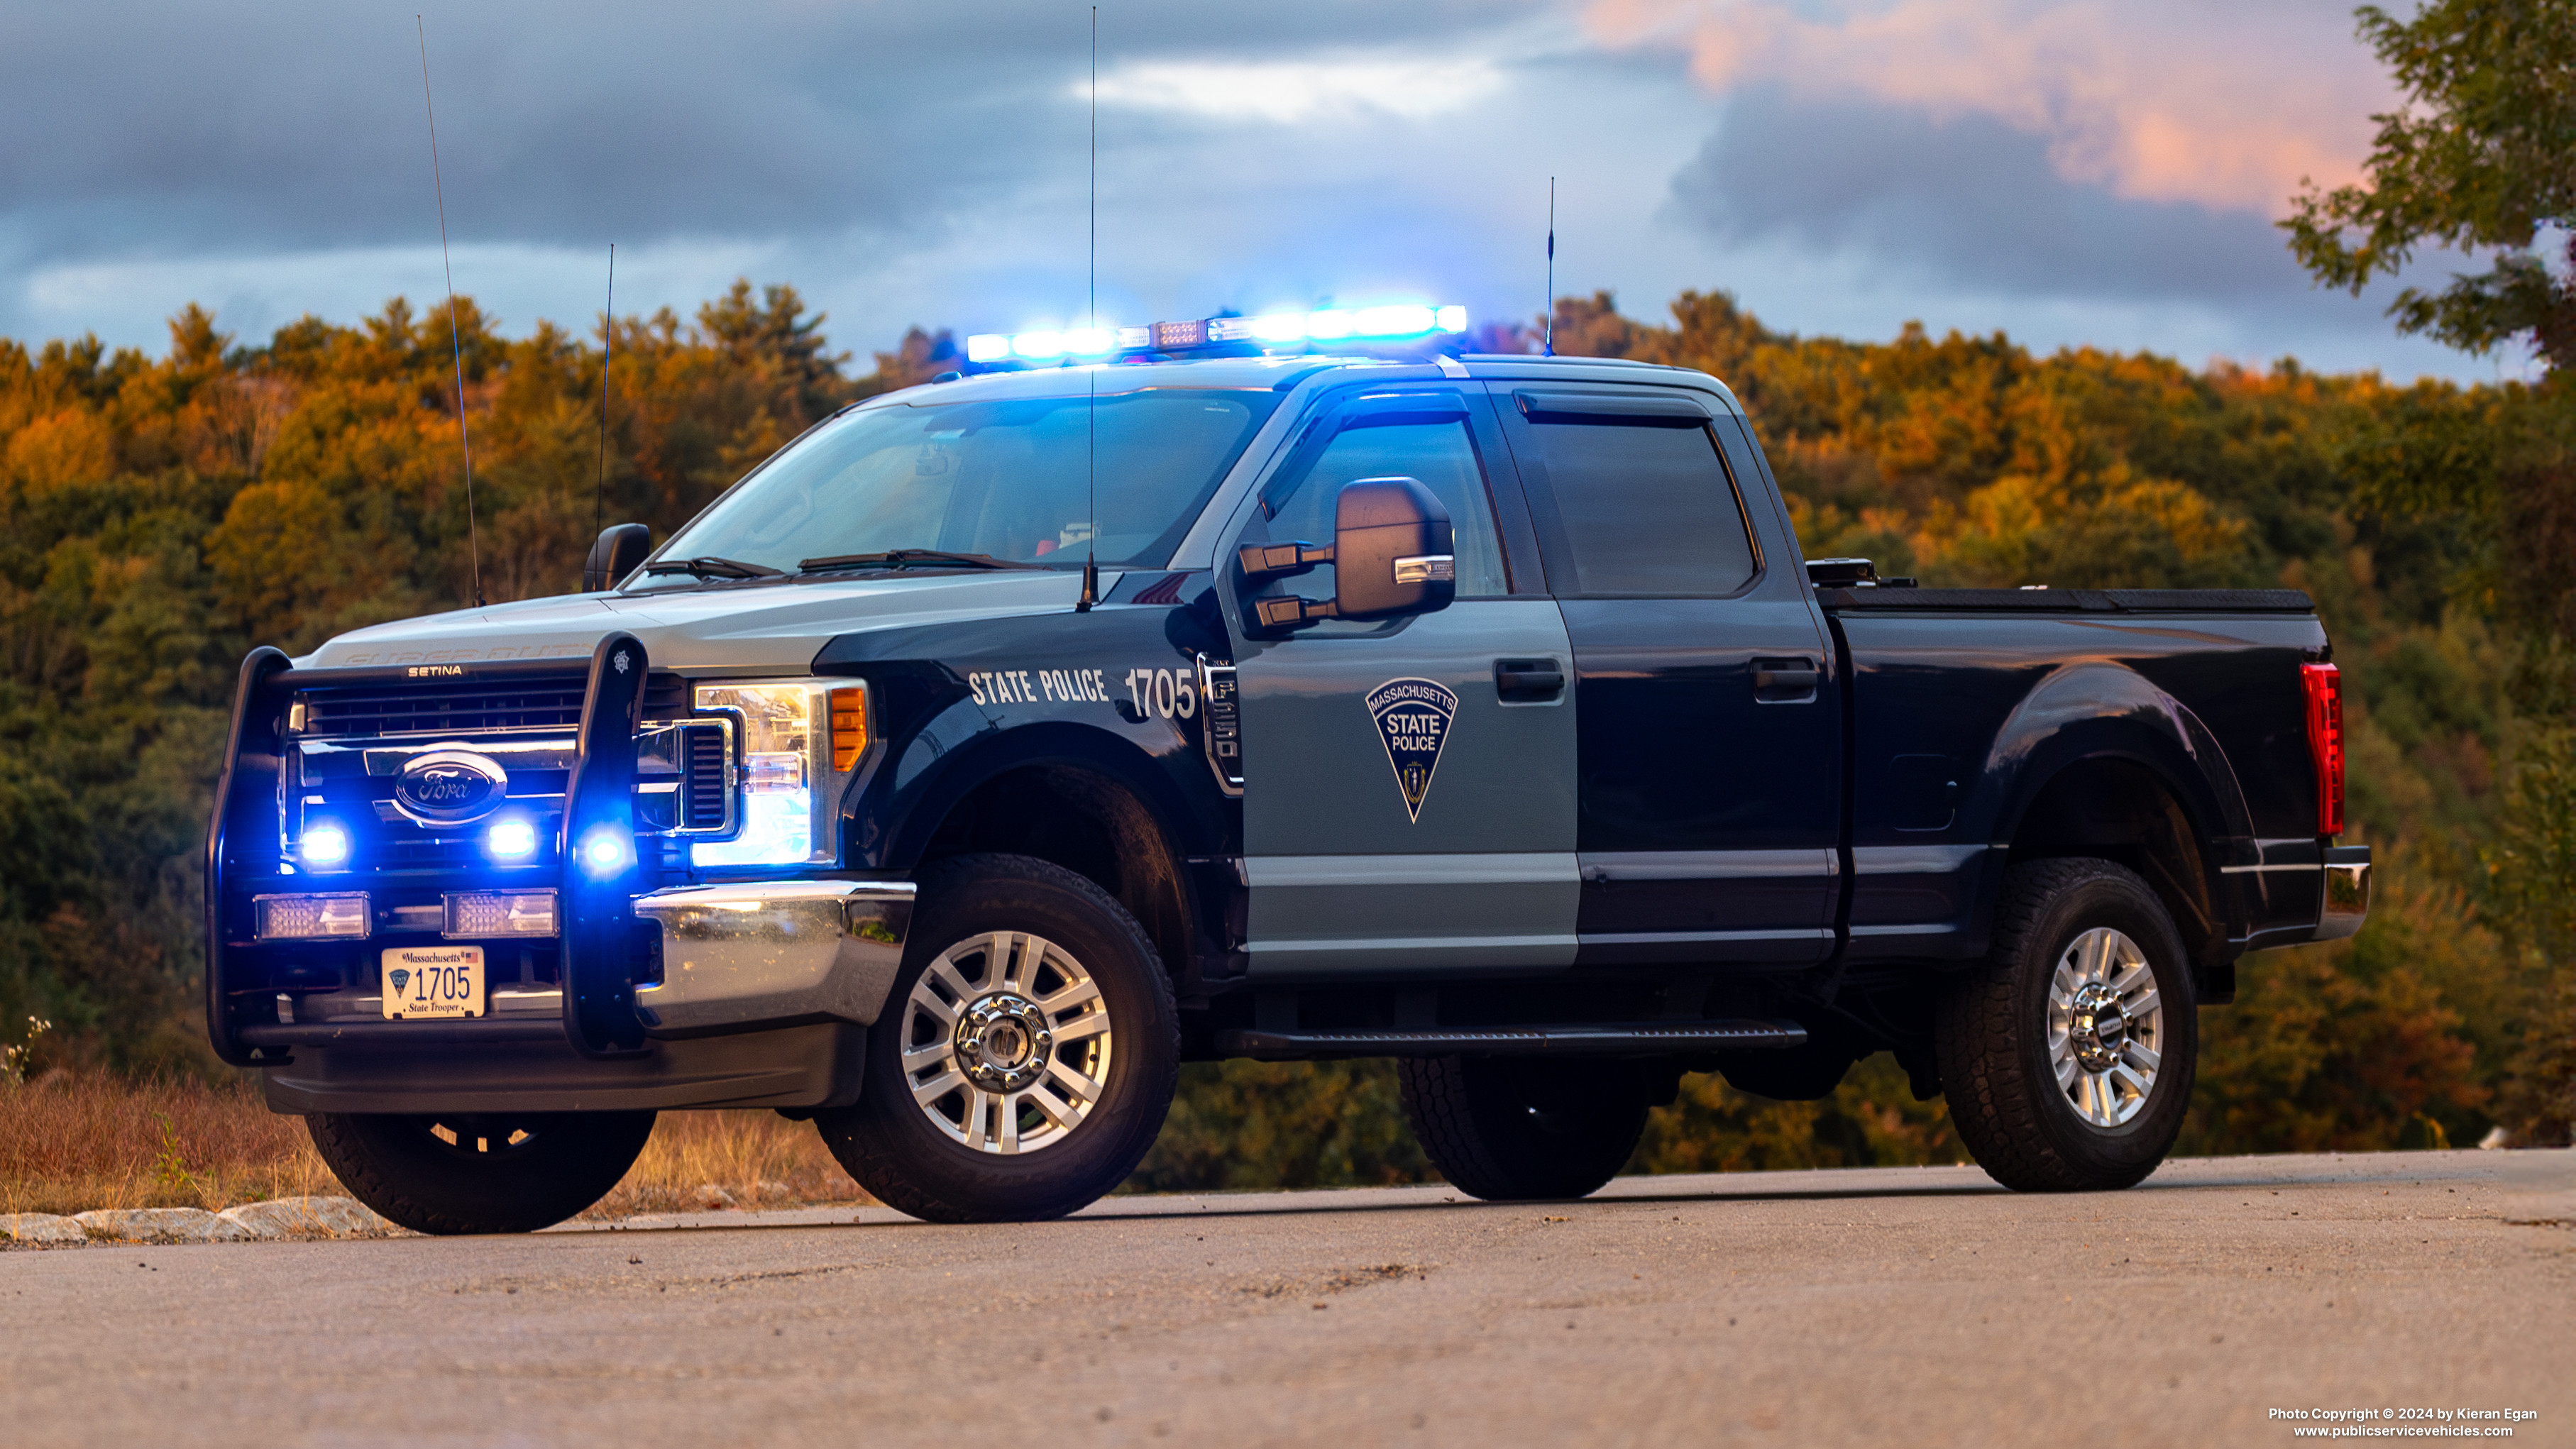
x=2481, y=159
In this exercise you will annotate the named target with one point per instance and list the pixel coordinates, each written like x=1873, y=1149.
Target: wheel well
x=2120, y=810
x=1091, y=825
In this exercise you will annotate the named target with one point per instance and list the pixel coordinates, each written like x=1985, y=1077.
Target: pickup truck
x=1005, y=742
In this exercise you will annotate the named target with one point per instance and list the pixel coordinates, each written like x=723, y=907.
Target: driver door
x=1409, y=786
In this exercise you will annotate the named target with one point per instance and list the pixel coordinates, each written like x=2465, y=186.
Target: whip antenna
x=455, y=338
x=1547, y=347
x=607, y=351
x=1091, y=560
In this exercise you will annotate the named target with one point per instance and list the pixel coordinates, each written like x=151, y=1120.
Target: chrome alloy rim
x=1006, y=1042
x=2106, y=1027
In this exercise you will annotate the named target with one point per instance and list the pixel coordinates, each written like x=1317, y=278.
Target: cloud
x=1289, y=92
x=2223, y=104
x=1966, y=201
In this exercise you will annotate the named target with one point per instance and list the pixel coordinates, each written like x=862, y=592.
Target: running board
x=1616, y=1039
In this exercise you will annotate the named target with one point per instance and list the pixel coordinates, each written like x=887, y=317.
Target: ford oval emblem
x=450, y=787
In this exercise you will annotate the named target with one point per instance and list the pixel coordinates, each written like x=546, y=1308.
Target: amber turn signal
x=849, y=728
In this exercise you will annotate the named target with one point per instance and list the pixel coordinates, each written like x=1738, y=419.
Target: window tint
x=1437, y=455
x=1645, y=510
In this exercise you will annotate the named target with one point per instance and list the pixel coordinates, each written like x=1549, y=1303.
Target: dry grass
x=759, y=1159
x=71, y=1142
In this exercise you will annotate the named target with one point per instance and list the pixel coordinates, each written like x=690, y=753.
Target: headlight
x=801, y=740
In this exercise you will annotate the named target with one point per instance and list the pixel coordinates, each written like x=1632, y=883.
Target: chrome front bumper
x=2346, y=902
x=754, y=956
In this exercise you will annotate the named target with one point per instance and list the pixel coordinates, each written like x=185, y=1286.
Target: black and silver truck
x=1003, y=743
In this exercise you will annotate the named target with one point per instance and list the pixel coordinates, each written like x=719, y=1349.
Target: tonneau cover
x=2075, y=601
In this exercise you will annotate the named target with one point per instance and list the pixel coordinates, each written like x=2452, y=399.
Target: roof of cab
x=1265, y=373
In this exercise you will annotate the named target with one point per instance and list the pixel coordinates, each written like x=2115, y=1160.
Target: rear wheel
x=2068, y=1057
x=1503, y=1128
x=1027, y=1053
x=480, y=1172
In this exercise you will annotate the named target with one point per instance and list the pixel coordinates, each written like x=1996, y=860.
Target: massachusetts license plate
x=431, y=983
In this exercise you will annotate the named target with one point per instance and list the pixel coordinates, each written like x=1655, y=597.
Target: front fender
x=960, y=749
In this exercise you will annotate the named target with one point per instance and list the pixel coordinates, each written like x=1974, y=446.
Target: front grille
x=702, y=779
x=394, y=848
x=549, y=704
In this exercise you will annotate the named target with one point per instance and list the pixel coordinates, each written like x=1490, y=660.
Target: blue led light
x=605, y=851
x=325, y=845
x=511, y=840
x=1393, y=322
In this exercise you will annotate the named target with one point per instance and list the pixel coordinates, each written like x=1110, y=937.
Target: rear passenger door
x=1708, y=732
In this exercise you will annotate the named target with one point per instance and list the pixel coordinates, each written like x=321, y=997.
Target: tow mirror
x=1392, y=555
x=620, y=550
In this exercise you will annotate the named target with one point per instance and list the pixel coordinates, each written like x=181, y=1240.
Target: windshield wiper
x=712, y=568
x=896, y=558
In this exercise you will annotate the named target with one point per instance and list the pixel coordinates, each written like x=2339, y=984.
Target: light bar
x=1395, y=323
x=305, y=918
x=499, y=913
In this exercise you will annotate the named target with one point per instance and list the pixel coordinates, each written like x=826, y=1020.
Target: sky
x=2100, y=172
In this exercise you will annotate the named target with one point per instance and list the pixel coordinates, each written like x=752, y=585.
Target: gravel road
x=1875, y=1306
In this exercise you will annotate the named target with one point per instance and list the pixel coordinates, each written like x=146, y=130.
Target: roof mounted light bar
x=1269, y=332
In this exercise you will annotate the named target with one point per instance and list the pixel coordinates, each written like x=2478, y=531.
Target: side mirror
x=620, y=550
x=1392, y=555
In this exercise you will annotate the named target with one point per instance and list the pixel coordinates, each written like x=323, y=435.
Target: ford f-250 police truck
x=1005, y=742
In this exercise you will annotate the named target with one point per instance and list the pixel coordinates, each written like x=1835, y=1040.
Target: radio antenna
x=455, y=338
x=1090, y=374
x=1547, y=347
x=607, y=352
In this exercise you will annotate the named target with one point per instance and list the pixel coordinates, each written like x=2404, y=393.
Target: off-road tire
x=887, y=1140
x=482, y=1181
x=1991, y=1034
x=1519, y=1128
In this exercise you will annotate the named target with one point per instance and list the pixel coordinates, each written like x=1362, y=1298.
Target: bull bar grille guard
x=597, y=926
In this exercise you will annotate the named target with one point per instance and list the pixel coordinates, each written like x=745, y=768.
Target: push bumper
x=659, y=995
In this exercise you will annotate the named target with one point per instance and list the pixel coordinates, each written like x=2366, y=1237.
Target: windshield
x=1010, y=480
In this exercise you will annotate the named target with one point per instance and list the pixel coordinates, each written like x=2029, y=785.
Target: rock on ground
x=308, y=1217
x=40, y=1228
x=158, y=1225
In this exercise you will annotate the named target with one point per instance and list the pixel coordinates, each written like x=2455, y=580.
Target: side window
x=1439, y=455
x=1645, y=509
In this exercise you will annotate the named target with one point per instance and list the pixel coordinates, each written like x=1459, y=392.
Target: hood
x=763, y=629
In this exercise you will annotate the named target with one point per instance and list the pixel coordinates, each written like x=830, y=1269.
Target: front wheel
x=2068, y=1057
x=1504, y=1128
x=469, y=1172
x=1027, y=1053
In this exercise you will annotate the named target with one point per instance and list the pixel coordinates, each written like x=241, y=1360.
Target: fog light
x=605, y=851
x=511, y=840
x=325, y=845
x=500, y=913
x=303, y=918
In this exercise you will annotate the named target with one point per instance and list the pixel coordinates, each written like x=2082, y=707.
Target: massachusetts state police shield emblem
x=1413, y=717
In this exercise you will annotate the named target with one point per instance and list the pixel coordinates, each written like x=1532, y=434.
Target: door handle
x=1784, y=681
x=1528, y=680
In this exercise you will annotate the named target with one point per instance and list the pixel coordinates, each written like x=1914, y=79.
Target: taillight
x=2325, y=741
